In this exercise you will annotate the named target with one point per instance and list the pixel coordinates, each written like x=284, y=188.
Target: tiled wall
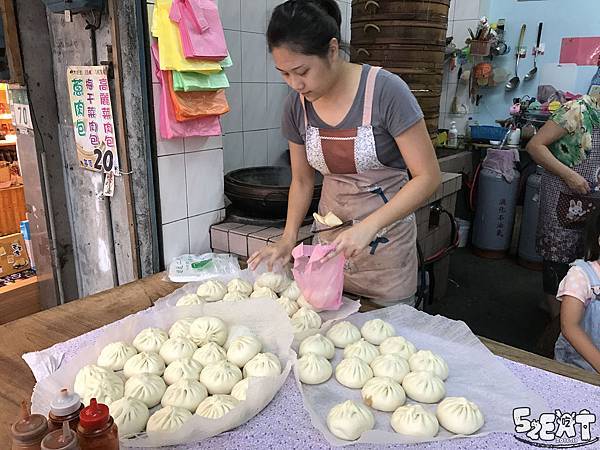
x=463, y=14
x=191, y=170
x=251, y=130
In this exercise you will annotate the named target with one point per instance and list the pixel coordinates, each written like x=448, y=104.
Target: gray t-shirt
x=395, y=109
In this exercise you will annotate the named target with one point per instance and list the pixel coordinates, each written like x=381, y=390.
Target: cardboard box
x=13, y=255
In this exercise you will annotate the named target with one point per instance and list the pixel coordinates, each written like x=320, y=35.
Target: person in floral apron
x=568, y=148
x=362, y=128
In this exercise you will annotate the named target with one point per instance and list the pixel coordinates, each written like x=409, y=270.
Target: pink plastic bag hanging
x=200, y=29
x=321, y=283
x=169, y=126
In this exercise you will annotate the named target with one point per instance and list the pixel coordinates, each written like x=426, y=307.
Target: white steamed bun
x=263, y=365
x=363, y=350
x=189, y=300
x=219, y=378
x=383, y=394
x=105, y=390
x=425, y=360
x=212, y=291
x=168, y=419
x=181, y=328
x=216, y=406
x=243, y=349
x=314, y=369
x=240, y=390
x=240, y=286
x=234, y=297
x=264, y=292
x=414, y=420
x=376, y=331
x=208, y=329
x=144, y=362
x=150, y=340
x=349, y=420
x=305, y=319
x=343, y=334
x=209, y=354
x=424, y=387
x=397, y=345
x=89, y=375
x=177, y=348
x=186, y=393
x=292, y=292
x=130, y=415
x=318, y=344
x=146, y=388
x=181, y=369
x=459, y=416
x=114, y=355
x=290, y=306
x=390, y=365
x=353, y=372
x=277, y=282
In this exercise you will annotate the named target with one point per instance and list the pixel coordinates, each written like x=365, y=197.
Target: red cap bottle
x=97, y=429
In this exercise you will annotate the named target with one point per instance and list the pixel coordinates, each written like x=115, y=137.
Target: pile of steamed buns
x=276, y=286
x=195, y=367
x=388, y=369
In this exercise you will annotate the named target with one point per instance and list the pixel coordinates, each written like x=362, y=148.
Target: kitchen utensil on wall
x=515, y=81
x=531, y=74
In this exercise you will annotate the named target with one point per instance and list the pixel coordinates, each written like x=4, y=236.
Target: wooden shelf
x=19, y=299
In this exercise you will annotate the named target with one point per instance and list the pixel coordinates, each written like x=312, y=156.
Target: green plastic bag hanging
x=195, y=81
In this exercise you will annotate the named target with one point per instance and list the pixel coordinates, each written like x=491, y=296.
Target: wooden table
x=59, y=324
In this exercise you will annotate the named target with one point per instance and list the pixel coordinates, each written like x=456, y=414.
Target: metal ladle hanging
x=531, y=74
x=515, y=81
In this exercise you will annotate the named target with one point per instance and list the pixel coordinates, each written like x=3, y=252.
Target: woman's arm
x=571, y=312
x=541, y=154
x=419, y=155
x=299, y=199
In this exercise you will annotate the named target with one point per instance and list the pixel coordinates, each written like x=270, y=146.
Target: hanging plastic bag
x=169, y=43
x=195, y=81
x=191, y=105
x=321, y=283
x=200, y=29
x=169, y=126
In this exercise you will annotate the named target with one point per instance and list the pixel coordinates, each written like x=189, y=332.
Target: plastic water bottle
x=453, y=135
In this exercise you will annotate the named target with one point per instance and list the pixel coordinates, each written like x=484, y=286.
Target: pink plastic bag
x=200, y=29
x=321, y=283
x=169, y=126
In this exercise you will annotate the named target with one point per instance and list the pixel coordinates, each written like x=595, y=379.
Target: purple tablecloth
x=284, y=424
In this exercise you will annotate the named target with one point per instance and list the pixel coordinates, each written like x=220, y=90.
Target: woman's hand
x=576, y=182
x=276, y=254
x=352, y=241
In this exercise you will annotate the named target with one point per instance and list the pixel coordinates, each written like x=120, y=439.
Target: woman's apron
x=355, y=185
x=563, y=350
x=562, y=213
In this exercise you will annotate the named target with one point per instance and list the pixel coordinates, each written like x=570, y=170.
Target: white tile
x=466, y=9
x=233, y=152
x=204, y=174
x=463, y=98
x=232, y=121
x=164, y=146
x=230, y=11
x=201, y=143
x=450, y=28
x=451, y=76
x=461, y=31
x=200, y=230
x=277, y=148
x=451, y=10
x=348, y=24
x=254, y=16
x=254, y=106
x=255, y=148
x=443, y=98
x=234, y=45
x=254, y=57
x=175, y=240
x=442, y=121
x=171, y=178
x=276, y=95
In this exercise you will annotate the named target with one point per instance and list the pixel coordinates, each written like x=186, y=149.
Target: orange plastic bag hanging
x=195, y=104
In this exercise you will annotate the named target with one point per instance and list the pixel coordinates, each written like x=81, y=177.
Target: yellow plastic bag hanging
x=192, y=105
x=169, y=43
